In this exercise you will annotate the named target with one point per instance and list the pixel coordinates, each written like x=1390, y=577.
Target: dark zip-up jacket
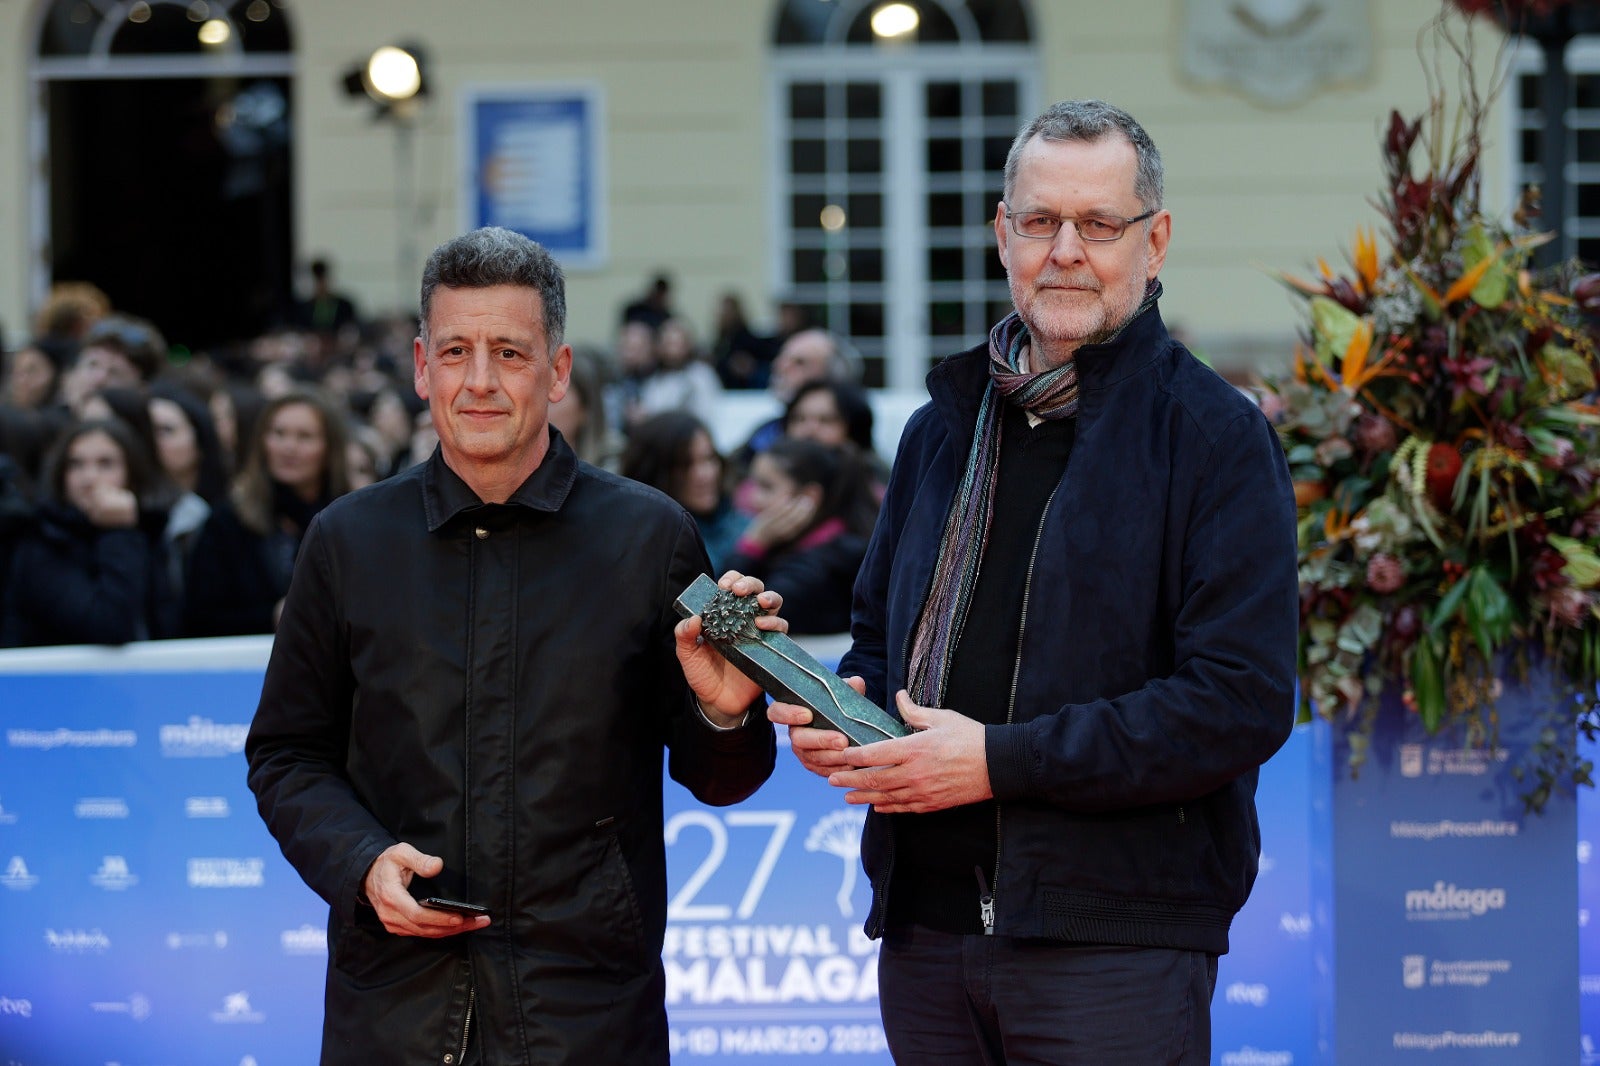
x=1155, y=670
x=495, y=685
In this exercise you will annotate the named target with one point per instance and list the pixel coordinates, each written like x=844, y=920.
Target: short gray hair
x=1090, y=120
x=497, y=256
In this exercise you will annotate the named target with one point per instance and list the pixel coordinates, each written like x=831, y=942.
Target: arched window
x=163, y=159
x=162, y=27
x=889, y=150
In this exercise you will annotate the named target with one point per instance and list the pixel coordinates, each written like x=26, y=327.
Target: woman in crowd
x=580, y=415
x=245, y=556
x=673, y=452
x=33, y=378
x=681, y=381
x=188, y=451
x=814, y=510
x=187, y=445
x=91, y=570
x=836, y=413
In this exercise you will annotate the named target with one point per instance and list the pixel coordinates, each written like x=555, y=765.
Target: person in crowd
x=830, y=412
x=809, y=355
x=392, y=418
x=654, y=306
x=673, y=452
x=188, y=451
x=836, y=413
x=580, y=415
x=186, y=441
x=324, y=312
x=26, y=436
x=681, y=381
x=814, y=510
x=636, y=361
x=91, y=570
x=1058, y=849
x=17, y=510
x=69, y=310
x=235, y=408
x=240, y=567
x=365, y=459
x=32, y=378
x=119, y=351
x=742, y=358
x=469, y=696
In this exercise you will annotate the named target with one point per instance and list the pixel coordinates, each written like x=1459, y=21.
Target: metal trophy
x=786, y=670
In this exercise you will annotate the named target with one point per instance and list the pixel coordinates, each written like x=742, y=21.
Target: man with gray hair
x=459, y=739
x=1082, y=594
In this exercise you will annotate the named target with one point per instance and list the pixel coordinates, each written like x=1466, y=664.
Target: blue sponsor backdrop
x=147, y=917
x=1452, y=909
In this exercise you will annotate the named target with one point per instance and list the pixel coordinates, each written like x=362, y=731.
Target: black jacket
x=815, y=579
x=493, y=684
x=72, y=582
x=1155, y=671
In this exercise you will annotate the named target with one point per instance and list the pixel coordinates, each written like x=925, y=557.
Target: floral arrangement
x=1442, y=432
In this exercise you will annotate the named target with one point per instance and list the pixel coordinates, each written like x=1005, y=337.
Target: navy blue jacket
x=1156, y=664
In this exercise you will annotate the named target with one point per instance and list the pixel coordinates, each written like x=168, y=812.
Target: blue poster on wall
x=533, y=164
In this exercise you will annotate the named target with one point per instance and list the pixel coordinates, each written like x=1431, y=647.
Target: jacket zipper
x=466, y=1026
x=986, y=903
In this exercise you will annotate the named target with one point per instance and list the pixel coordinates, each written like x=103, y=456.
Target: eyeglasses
x=1036, y=225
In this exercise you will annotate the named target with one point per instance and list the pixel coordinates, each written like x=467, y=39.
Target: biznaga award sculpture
x=786, y=670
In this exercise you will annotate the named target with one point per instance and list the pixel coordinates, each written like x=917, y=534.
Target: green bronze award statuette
x=786, y=670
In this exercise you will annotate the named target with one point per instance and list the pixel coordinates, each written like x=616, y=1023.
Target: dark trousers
x=1003, y=1001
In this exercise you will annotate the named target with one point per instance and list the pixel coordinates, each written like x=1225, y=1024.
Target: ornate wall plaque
x=786, y=670
x=1277, y=52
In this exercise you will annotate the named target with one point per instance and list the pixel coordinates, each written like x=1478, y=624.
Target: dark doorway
x=174, y=195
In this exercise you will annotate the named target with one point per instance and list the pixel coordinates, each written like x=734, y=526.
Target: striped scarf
x=1049, y=395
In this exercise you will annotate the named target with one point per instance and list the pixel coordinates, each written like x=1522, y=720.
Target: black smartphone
x=454, y=906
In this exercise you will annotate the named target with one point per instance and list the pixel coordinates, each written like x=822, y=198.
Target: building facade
x=774, y=149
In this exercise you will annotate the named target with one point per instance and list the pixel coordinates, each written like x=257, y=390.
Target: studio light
x=392, y=77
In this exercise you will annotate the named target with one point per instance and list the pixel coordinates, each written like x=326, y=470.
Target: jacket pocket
x=614, y=926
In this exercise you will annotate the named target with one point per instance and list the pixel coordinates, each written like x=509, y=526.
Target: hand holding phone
x=466, y=910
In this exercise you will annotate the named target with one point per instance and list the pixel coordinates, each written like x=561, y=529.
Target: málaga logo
x=201, y=738
x=1449, y=902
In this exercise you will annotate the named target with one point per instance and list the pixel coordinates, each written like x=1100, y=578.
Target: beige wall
x=1252, y=188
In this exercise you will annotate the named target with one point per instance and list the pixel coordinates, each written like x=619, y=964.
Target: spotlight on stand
x=393, y=78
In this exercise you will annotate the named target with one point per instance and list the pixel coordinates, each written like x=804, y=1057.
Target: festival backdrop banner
x=147, y=916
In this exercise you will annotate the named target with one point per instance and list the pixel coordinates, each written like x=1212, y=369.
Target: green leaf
x=1332, y=326
x=1427, y=683
x=1575, y=374
x=1488, y=611
x=1302, y=454
x=1495, y=285
x=1583, y=565
x=1448, y=604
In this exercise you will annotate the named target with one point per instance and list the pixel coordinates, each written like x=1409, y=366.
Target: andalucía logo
x=17, y=878
x=201, y=738
x=113, y=875
x=236, y=1010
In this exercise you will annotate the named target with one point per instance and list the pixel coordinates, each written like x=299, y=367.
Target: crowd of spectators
x=150, y=492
